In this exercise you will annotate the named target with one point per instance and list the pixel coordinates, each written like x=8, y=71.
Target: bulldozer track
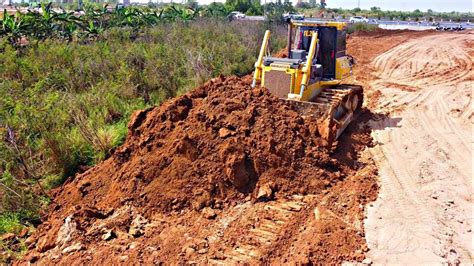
x=278, y=214
x=335, y=95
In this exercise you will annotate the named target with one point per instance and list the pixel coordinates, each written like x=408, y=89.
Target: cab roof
x=338, y=25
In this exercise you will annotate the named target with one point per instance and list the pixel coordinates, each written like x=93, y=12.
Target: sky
x=405, y=5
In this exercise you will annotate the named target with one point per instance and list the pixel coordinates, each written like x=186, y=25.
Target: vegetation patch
x=353, y=27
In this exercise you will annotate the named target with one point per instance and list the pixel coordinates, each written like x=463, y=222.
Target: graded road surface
x=423, y=151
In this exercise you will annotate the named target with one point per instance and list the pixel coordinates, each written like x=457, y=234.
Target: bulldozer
x=310, y=78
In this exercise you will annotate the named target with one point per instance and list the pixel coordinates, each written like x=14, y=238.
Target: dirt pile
x=219, y=141
x=196, y=173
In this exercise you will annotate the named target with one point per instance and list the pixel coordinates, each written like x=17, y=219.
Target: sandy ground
x=423, y=214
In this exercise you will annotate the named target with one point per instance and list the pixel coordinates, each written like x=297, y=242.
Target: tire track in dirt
x=424, y=210
x=278, y=216
x=416, y=63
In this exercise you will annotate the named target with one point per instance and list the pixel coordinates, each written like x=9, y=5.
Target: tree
x=323, y=4
x=375, y=9
x=275, y=11
x=193, y=4
x=417, y=13
x=238, y=5
x=304, y=5
x=288, y=6
x=216, y=9
x=256, y=9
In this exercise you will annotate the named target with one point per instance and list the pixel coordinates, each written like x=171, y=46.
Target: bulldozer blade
x=332, y=110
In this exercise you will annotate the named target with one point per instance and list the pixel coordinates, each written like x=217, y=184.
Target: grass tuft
x=361, y=27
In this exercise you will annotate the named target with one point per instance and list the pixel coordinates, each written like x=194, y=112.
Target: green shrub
x=10, y=223
x=14, y=222
x=361, y=27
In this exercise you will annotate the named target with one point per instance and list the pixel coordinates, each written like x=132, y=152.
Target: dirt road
x=424, y=154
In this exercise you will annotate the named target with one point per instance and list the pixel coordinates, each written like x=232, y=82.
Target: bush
x=274, y=11
x=361, y=27
x=12, y=222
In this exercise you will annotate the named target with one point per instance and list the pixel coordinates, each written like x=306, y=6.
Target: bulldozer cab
x=331, y=45
x=316, y=54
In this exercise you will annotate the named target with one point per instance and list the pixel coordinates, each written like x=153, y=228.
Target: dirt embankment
x=224, y=173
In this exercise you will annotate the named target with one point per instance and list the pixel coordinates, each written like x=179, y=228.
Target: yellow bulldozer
x=310, y=78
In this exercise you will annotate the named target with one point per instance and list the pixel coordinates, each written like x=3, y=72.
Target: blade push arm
x=309, y=62
x=259, y=64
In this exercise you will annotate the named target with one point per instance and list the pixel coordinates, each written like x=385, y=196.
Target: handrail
x=307, y=68
x=259, y=64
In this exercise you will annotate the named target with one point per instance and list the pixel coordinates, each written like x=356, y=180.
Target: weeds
x=10, y=223
x=361, y=27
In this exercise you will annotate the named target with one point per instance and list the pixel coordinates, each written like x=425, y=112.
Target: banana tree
x=12, y=27
x=174, y=12
x=66, y=25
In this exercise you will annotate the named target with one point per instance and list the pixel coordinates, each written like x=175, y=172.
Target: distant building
x=126, y=2
x=6, y=2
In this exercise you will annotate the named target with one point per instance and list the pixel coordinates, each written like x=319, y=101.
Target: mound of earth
x=223, y=173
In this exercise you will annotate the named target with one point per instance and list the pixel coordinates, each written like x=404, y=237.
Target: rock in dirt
x=32, y=257
x=7, y=237
x=136, y=232
x=72, y=248
x=225, y=132
x=137, y=227
x=23, y=233
x=236, y=170
x=189, y=251
x=109, y=234
x=203, y=251
x=30, y=241
x=5, y=257
x=46, y=243
x=265, y=192
x=208, y=213
x=66, y=231
x=317, y=214
x=367, y=261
